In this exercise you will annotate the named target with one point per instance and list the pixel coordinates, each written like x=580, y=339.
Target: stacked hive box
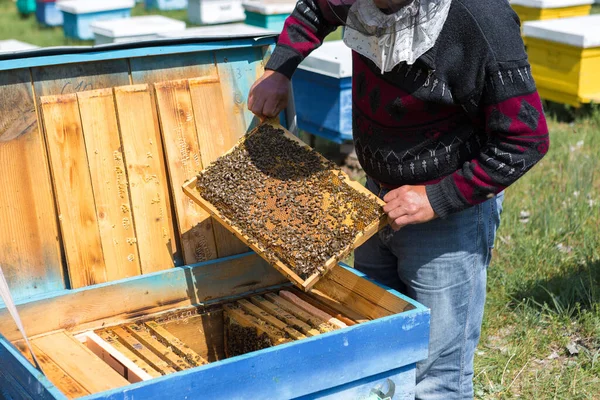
x=48, y=14
x=533, y=10
x=79, y=14
x=268, y=14
x=133, y=29
x=206, y=12
x=565, y=58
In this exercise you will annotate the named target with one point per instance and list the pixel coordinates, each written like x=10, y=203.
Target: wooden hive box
x=125, y=287
x=534, y=10
x=565, y=58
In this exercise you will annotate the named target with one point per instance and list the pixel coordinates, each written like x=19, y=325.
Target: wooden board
x=79, y=362
x=139, y=362
x=284, y=315
x=71, y=178
x=53, y=372
x=109, y=183
x=216, y=137
x=179, y=347
x=330, y=306
x=320, y=325
x=30, y=256
x=168, y=67
x=165, y=352
x=261, y=314
x=147, y=178
x=180, y=139
x=190, y=189
x=142, y=351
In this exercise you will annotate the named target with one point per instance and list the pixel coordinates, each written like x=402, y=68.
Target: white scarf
x=401, y=42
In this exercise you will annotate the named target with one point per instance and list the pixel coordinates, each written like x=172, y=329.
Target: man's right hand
x=269, y=95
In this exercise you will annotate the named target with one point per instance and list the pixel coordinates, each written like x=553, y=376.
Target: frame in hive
x=288, y=203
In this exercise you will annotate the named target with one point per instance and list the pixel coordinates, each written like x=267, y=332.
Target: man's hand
x=269, y=95
x=408, y=205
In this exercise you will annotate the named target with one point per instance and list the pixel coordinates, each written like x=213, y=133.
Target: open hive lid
x=582, y=32
x=292, y=206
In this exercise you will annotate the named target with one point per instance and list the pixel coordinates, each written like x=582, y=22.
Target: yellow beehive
x=565, y=58
x=534, y=10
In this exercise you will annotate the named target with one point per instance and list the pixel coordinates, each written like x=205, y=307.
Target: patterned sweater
x=465, y=119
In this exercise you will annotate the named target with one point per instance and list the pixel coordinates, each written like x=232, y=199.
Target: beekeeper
x=446, y=115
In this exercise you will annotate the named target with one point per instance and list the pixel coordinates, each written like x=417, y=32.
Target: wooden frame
x=190, y=189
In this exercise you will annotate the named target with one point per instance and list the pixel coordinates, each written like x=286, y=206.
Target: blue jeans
x=443, y=265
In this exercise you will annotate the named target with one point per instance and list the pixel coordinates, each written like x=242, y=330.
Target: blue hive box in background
x=48, y=14
x=323, y=92
x=78, y=14
x=268, y=14
x=108, y=261
x=166, y=4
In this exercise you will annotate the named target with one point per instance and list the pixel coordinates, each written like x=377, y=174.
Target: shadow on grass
x=567, y=113
x=567, y=294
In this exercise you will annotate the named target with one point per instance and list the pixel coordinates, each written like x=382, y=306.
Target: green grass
x=544, y=281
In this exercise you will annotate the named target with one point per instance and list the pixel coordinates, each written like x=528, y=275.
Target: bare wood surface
x=53, y=372
x=330, y=306
x=73, y=187
x=284, y=315
x=31, y=255
x=141, y=333
x=321, y=325
x=179, y=347
x=138, y=348
x=309, y=308
x=215, y=137
x=266, y=316
x=139, y=362
x=109, y=183
x=147, y=178
x=184, y=161
x=79, y=362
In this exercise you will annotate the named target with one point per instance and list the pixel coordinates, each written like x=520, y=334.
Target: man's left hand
x=408, y=205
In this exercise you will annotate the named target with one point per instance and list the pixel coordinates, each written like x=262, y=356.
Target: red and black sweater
x=465, y=120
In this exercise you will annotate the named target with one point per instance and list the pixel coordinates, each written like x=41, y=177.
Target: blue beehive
x=48, y=14
x=166, y=4
x=177, y=87
x=78, y=14
x=268, y=14
x=323, y=92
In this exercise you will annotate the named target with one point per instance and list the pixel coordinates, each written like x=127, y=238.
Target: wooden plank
x=202, y=333
x=366, y=289
x=165, y=352
x=215, y=138
x=330, y=306
x=72, y=182
x=147, y=178
x=292, y=298
x=79, y=77
x=53, y=372
x=109, y=183
x=134, y=345
x=353, y=300
x=111, y=303
x=184, y=162
x=284, y=315
x=168, y=67
x=30, y=256
x=137, y=361
x=179, y=347
x=319, y=324
x=265, y=316
x=79, y=362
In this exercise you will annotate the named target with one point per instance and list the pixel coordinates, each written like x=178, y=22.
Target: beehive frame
x=190, y=189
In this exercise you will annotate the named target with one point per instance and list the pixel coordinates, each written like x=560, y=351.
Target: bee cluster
x=288, y=200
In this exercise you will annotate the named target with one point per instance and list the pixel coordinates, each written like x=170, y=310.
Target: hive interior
x=288, y=200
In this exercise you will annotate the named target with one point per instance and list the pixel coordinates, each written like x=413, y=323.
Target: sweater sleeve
x=304, y=30
x=516, y=138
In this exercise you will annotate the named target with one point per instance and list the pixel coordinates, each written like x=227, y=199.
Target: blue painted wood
x=77, y=26
x=168, y=47
x=323, y=105
x=48, y=14
x=399, y=384
x=273, y=22
x=23, y=376
x=299, y=368
x=166, y=4
x=11, y=390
